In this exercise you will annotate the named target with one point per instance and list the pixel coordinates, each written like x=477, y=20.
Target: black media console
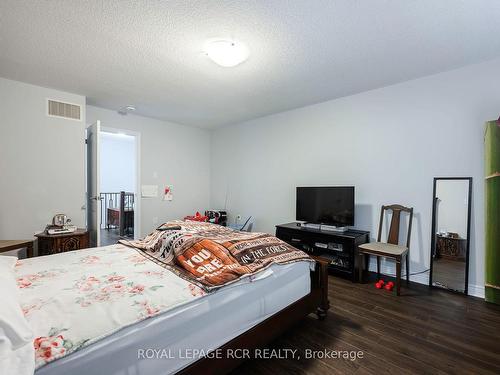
x=339, y=248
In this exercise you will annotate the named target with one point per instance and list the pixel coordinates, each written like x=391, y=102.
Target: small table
x=60, y=243
x=114, y=219
x=8, y=245
x=453, y=248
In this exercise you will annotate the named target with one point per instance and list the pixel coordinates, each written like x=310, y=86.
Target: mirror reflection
x=450, y=241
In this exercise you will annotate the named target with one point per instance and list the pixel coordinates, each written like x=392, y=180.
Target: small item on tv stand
x=322, y=227
x=310, y=226
x=335, y=246
x=333, y=228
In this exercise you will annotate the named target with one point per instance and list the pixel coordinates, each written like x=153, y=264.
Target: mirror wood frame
x=433, y=232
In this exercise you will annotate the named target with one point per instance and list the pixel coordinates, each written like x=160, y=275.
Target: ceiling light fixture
x=125, y=110
x=226, y=53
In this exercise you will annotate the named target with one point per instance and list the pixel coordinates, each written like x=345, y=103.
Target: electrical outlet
x=238, y=217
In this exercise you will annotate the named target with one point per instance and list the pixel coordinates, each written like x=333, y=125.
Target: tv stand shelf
x=340, y=248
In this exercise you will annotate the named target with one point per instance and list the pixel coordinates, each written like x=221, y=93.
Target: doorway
x=113, y=183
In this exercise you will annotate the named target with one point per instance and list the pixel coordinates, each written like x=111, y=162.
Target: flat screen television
x=329, y=205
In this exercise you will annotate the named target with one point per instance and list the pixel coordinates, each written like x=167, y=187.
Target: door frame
x=97, y=175
x=137, y=199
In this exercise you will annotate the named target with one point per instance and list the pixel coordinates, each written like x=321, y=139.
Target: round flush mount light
x=226, y=53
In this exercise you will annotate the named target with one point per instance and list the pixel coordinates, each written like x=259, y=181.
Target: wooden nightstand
x=60, y=243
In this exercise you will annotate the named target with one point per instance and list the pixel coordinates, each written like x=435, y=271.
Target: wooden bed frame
x=257, y=337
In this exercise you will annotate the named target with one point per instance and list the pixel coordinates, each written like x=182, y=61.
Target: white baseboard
x=476, y=290
x=387, y=268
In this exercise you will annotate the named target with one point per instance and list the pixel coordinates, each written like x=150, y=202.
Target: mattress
x=171, y=341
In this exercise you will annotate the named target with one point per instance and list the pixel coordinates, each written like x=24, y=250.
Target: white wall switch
x=149, y=191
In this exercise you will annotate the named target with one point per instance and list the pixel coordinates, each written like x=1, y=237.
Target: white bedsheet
x=230, y=311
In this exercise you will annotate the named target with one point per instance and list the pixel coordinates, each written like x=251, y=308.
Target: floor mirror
x=451, y=212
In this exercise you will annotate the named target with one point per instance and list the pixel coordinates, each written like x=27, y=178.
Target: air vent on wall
x=66, y=110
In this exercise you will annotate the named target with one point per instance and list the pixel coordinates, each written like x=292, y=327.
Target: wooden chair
x=390, y=249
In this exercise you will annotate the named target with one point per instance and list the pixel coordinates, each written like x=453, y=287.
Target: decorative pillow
x=15, y=331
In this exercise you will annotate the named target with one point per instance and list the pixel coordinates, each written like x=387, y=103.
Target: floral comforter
x=76, y=298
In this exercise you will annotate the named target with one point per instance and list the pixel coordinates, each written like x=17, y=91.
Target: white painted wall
x=388, y=142
x=452, y=206
x=118, y=159
x=171, y=154
x=41, y=160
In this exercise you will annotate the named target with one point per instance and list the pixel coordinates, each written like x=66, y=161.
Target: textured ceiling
x=148, y=53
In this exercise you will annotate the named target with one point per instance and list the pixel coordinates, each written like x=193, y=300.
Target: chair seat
x=383, y=248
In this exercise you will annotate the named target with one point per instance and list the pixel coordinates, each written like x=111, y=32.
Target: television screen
x=331, y=205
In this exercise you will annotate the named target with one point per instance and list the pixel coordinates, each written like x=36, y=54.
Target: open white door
x=93, y=184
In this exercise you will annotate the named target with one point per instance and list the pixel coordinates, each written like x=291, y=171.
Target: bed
x=118, y=302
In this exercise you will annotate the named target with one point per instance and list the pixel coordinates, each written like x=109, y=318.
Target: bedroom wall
x=171, y=154
x=388, y=142
x=41, y=160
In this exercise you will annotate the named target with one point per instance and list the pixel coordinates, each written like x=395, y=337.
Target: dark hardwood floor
x=424, y=331
x=109, y=237
x=449, y=273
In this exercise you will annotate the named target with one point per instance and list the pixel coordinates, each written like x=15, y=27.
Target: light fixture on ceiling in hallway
x=226, y=53
x=125, y=110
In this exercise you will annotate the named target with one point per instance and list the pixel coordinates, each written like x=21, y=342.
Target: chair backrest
x=393, y=237
x=247, y=226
